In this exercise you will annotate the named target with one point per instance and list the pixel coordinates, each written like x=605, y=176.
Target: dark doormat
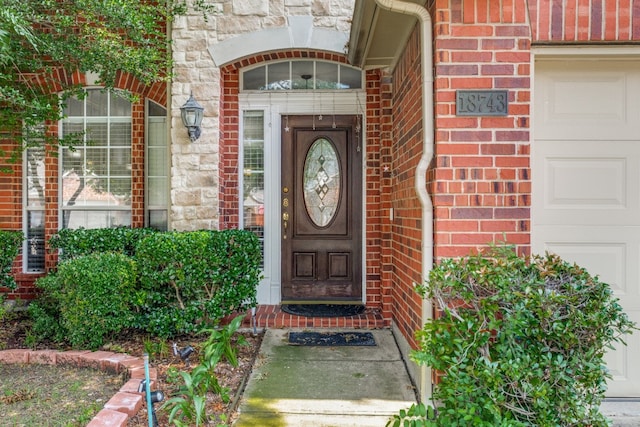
x=332, y=338
x=323, y=310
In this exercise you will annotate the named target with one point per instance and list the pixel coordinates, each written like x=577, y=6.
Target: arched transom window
x=302, y=75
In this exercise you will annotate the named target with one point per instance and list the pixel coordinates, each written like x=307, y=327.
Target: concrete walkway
x=325, y=386
x=307, y=386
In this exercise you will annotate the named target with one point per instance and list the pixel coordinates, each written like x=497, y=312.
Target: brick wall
x=405, y=153
x=481, y=182
x=585, y=20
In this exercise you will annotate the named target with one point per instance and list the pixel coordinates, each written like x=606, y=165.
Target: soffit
x=377, y=35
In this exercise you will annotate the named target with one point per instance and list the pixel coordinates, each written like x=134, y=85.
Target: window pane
x=158, y=219
x=157, y=168
x=120, y=134
x=156, y=110
x=72, y=126
x=120, y=106
x=157, y=161
x=97, y=103
x=120, y=191
x=96, y=219
x=254, y=79
x=96, y=163
x=35, y=241
x=157, y=132
x=35, y=177
x=253, y=176
x=326, y=75
x=350, y=78
x=302, y=75
x=97, y=133
x=278, y=76
x=157, y=193
x=75, y=107
x=120, y=161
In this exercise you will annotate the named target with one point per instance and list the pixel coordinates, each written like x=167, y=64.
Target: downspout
x=426, y=40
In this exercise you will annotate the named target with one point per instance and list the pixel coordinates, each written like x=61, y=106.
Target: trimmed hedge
x=166, y=283
x=193, y=278
x=84, y=241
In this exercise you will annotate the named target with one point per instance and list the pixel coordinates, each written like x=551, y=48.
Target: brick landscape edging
x=124, y=404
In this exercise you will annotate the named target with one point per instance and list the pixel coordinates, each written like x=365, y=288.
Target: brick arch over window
x=230, y=120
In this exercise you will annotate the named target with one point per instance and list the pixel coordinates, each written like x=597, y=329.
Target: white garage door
x=586, y=182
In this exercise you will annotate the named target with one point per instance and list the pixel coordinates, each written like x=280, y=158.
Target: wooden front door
x=321, y=210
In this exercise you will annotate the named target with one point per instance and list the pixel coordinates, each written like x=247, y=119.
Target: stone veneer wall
x=195, y=167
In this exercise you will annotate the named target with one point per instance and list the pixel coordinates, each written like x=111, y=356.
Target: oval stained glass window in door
x=321, y=182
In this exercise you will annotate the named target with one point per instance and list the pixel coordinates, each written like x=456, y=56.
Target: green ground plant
x=518, y=342
x=186, y=407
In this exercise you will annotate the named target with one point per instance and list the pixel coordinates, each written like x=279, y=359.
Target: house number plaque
x=482, y=102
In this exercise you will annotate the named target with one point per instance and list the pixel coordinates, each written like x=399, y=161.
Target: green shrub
x=45, y=311
x=95, y=297
x=194, y=278
x=10, y=242
x=79, y=242
x=519, y=342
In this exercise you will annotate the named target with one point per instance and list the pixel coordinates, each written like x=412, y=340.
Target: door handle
x=285, y=223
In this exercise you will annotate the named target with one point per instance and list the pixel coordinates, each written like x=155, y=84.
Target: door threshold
x=316, y=302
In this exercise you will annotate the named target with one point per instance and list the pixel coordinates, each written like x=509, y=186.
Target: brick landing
x=271, y=316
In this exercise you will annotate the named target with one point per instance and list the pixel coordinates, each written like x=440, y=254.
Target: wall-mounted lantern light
x=192, y=117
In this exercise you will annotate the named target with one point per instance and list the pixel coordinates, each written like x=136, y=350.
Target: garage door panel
x=607, y=260
x=586, y=182
x=582, y=99
x=613, y=254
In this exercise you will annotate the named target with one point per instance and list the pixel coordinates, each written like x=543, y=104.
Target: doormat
x=323, y=310
x=332, y=338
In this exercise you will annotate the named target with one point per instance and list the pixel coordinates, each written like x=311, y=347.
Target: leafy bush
x=10, y=242
x=519, y=342
x=189, y=278
x=45, y=311
x=79, y=242
x=88, y=298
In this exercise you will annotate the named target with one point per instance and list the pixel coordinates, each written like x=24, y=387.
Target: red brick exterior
x=480, y=176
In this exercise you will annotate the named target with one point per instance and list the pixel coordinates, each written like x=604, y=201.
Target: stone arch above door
x=299, y=33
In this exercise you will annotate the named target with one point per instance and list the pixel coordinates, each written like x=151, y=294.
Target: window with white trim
x=95, y=175
x=302, y=75
x=157, y=168
x=34, y=198
x=253, y=171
